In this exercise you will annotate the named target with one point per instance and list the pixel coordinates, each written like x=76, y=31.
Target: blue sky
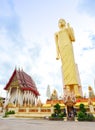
x=27, y=30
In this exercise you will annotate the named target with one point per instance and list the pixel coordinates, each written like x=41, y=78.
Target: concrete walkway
x=39, y=124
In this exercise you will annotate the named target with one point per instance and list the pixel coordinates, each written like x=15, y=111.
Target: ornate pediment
x=69, y=99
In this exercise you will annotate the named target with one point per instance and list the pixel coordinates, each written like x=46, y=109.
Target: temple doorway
x=71, y=112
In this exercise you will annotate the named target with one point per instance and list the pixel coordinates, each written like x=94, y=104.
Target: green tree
x=57, y=115
x=82, y=108
x=57, y=108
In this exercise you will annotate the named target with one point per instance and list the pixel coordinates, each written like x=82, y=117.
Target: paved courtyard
x=39, y=124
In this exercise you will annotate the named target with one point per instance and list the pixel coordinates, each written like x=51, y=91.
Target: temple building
x=21, y=90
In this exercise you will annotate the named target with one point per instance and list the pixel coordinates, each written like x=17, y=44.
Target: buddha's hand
x=57, y=57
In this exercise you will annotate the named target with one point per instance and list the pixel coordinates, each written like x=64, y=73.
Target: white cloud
x=27, y=41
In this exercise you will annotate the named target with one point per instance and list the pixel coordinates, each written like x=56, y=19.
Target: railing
x=32, y=110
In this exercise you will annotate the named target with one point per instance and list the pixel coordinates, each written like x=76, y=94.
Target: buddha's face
x=61, y=23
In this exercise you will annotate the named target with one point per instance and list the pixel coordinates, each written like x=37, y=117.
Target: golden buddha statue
x=91, y=92
x=54, y=95
x=63, y=39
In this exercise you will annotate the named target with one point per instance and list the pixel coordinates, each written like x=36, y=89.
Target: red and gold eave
x=24, y=80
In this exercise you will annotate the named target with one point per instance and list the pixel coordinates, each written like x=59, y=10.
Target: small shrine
x=54, y=99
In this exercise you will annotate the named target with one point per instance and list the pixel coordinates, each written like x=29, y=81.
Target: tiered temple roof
x=25, y=82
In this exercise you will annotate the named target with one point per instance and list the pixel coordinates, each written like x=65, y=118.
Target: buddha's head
x=61, y=23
